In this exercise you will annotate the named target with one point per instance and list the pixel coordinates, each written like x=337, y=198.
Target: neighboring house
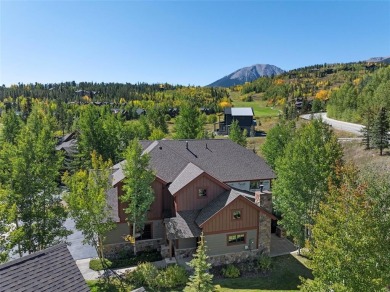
x=244, y=116
x=200, y=185
x=68, y=145
x=52, y=269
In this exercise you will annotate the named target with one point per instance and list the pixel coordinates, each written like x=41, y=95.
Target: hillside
x=247, y=74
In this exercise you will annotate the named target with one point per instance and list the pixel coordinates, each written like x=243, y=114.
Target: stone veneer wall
x=264, y=200
x=118, y=250
x=237, y=257
x=184, y=252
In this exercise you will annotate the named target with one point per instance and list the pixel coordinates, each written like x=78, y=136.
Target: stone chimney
x=263, y=199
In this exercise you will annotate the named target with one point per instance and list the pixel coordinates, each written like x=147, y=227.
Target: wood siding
x=155, y=208
x=224, y=222
x=188, y=197
x=217, y=243
x=121, y=206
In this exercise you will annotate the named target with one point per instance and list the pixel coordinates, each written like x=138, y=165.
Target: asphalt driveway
x=77, y=249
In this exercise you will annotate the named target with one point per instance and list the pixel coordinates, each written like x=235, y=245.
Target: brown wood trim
x=232, y=181
x=231, y=244
x=221, y=184
x=213, y=179
x=231, y=230
x=247, y=201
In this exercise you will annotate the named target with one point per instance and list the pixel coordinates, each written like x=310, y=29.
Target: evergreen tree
x=138, y=193
x=380, y=131
x=236, y=135
x=201, y=280
x=309, y=160
x=93, y=219
x=189, y=123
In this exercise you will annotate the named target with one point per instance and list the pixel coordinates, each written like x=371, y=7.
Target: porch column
x=170, y=249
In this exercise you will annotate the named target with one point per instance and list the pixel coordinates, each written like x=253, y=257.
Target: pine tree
x=138, y=193
x=201, y=280
x=237, y=135
x=381, y=128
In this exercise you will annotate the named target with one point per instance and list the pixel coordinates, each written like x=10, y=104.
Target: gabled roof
x=187, y=175
x=52, y=269
x=222, y=159
x=223, y=201
x=183, y=225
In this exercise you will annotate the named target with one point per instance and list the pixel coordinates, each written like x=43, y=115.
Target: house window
x=202, y=193
x=254, y=185
x=236, y=214
x=233, y=239
x=147, y=232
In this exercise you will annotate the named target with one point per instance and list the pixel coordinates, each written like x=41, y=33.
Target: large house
x=214, y=186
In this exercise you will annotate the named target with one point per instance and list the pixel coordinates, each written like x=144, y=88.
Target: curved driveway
x=339, y=125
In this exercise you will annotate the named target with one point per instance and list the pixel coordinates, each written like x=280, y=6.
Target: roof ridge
x=185, y=159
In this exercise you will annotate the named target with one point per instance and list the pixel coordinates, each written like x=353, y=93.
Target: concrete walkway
x=281, y=246
x=89, y=274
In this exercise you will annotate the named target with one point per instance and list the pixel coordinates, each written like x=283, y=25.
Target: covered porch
x=182, y=235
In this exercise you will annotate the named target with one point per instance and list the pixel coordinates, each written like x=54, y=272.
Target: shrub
x=230, y=271
x=264, y=262
x=96, y=264
x=144, y=275
x=129, y=260
x=171, y=277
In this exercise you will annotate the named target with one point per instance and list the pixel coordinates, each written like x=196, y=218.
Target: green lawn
x=284, y=277
x=259, y=108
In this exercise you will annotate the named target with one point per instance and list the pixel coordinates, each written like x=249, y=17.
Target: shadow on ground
x=285, y=274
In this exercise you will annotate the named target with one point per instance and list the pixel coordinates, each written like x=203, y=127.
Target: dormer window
x=202, y=193
x=236, y=214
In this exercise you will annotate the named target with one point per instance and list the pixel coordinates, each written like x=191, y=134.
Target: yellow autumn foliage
x=322, y=94
x=224, y=104
x=279, y=81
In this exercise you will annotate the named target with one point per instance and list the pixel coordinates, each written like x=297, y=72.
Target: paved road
x=77, y=249
x=339, y=125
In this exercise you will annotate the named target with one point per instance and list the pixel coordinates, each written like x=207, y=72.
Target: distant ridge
x=247, y=74
x=379, y=60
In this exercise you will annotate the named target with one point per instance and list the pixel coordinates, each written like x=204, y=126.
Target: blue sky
x=181, y=42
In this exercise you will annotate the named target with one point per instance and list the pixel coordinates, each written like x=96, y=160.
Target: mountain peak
x=247, y=74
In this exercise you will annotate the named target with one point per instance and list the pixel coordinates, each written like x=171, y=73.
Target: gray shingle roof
x=183, y=225
x=222, y=159
x=52, y=269
x=188, y=174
